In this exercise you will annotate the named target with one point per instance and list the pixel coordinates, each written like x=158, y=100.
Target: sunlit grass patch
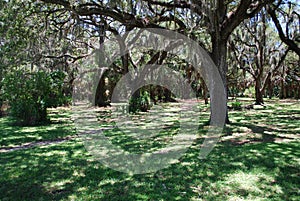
x=251, y=184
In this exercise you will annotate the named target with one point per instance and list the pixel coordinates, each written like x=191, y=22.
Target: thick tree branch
x=170, y=4
x=290, y=43
x=74, y=58
x=89, y=9
x=64, y=3
x=272, y=70
x=245, y=10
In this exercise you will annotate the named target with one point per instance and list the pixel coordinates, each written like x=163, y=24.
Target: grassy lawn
x=257, y=158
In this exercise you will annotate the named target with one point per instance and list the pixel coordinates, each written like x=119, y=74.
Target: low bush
x=30, y=94
x=236, y=105
x=139, y=102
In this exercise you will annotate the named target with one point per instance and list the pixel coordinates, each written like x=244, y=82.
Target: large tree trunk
x=219, y=55
x=101, y=99
x=258, y=93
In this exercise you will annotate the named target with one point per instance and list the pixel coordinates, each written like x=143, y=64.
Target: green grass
x=12, y=135
x=258, y=158
x=278, y=121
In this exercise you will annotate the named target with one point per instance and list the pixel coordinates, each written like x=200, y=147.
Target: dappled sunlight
x=149, y=100
x=16, y=137
x=269, y=124
x=258, y=169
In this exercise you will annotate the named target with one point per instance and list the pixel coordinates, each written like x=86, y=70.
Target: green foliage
x=250, y=92
x=236, y=105
x=30, y=94
x=140, y=101
x=57, y=97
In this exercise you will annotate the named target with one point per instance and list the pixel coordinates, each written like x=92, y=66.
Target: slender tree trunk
x=100, y=93
x=282, y=83
x=270, y=89
x=204, y=90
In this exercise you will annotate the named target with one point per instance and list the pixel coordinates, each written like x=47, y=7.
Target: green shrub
x=30, y=94
x=236, y=105
x=139, y=102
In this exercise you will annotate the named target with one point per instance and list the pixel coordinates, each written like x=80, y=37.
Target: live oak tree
x=285, y=15
x=218, y=18
x=57, y=33
x=256, y=50
x=286, y=18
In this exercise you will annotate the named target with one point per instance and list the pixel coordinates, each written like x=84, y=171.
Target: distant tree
x=257, y=52
x=287, y=80
x=285, y=15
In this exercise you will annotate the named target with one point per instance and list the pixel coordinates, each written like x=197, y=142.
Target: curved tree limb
x=289, y=42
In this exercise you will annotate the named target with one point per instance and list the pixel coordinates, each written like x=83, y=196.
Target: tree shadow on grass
x=66, y=171
x=18, y=136
x=256, y=134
